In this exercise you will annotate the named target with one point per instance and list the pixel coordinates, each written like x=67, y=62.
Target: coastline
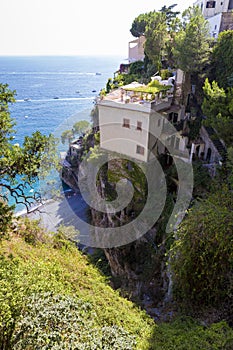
x=71, y=211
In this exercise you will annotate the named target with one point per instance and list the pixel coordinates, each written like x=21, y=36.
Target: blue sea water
x=52, y=89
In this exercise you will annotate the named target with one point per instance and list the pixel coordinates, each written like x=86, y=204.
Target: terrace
x=136, y=93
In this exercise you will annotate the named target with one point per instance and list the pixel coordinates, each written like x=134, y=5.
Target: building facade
x=218, y=13
x=136, y=49
x=140, y=126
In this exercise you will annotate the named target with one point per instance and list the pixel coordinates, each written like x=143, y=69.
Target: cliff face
x=139, y=270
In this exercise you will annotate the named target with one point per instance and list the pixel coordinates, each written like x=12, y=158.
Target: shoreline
x=25, y=212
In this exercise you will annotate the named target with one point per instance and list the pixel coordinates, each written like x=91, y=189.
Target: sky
x=72, y=27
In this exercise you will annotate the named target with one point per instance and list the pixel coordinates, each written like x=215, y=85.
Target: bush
x=165, y=74
x=54, y=299
x=40, y=286
x=11, y=297
x=185, y=333
x=61, y=322
x=136, y=68
x=31, y=231
x=6, y=216
x=202, y=254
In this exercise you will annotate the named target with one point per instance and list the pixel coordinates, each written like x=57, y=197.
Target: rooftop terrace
x=139, y=94
x=136, y=93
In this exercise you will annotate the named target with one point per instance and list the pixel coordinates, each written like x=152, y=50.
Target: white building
x=137, y=124
x=218, y=13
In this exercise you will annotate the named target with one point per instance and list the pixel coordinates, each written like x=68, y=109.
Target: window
x=159, y=123
x=139, y=126
x=210, y=4
x=177, y=143
x=126, y=123
x=140, y=150
x=215, y=27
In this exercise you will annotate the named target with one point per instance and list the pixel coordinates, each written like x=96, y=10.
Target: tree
x=192, y=42
x=139, y=24
x=170, y=14
x=218, y=108
x=229, y=167
x=67, y=135
x=156, y=35
x=20, y=166
x=108, y=85
x=81, y=127
x=78, y=128
x=158, y=28
x=222, y=58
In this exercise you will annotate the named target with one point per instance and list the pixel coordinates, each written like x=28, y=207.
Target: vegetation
x=218, y=108
x=139, y=24
x=78, y=129
x=192, y=42
x=152, y=88
x=52, y=298
x=156, y=32
x=67, y=135
x=20, y=166
x=222, y=52
x=202, y=253
x=158, y=29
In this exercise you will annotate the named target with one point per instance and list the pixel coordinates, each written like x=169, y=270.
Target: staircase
x=216, y=141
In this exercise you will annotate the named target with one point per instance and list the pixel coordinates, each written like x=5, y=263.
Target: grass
x=28, y=269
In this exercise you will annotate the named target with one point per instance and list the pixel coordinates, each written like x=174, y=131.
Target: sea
x=53, y=91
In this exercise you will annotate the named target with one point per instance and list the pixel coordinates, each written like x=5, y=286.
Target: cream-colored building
x=137, y=125
x=136, y=49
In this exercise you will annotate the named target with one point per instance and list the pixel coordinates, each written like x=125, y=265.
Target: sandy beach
x=68, y=211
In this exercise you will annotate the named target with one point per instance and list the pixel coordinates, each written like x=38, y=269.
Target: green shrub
x=165, y=74
x=32, y=275
x=185, y=333
x=31, y=231
x=202, y=254
x=6, y=216
x=54, y=322
x=11, y=297
x=136, y=68
x=55, y=299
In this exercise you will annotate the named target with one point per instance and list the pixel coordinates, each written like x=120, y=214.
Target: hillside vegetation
x=51, y=297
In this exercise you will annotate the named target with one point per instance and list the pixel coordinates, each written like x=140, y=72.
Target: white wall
x=215, y=23
x=116, y=138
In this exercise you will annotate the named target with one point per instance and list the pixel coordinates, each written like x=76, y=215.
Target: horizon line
x=61, y=55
